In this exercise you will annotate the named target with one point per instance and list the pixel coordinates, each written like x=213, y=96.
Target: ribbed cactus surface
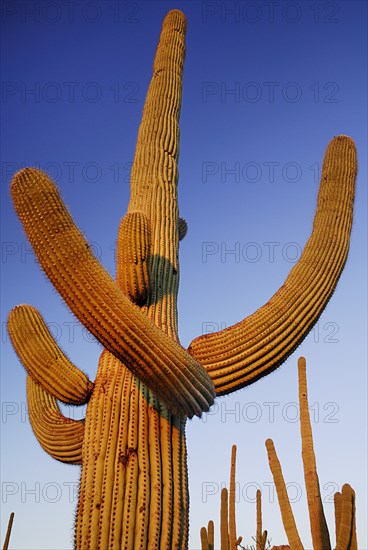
x=134, y=487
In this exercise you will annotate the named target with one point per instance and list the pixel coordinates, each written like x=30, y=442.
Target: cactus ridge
x=100, y=305
x=44, y=361
x=239, y=355
x=60, y=437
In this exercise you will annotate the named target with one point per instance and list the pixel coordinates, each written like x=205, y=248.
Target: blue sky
x=266, y=86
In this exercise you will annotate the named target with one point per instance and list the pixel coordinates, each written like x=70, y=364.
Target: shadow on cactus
x=345, y=525
x=134, y=487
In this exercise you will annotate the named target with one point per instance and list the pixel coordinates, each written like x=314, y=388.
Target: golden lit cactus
x=43, y=359
x=133, y=256
x=207, y=537
x=100, y=304
x=224, y=519
x=228, y=538
x=8, y=531
x=346, y=538
x=320, y=535
x=261, y=536
x=240, y=354
x=134, y=486
x=345, y=512
x=284, y=503
x=232, y=518
x=60, y=437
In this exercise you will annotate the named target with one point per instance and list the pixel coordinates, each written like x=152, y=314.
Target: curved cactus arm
x=96, y=300
x=44, y=361
x=284, y=503
x=59, y=436
x=243, y=353
x=133, y=256
x=319, y=530
x=346, y=539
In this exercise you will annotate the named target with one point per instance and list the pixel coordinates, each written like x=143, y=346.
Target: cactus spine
x=134, y=490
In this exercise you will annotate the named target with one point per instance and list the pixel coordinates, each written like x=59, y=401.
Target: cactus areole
x=131, y=446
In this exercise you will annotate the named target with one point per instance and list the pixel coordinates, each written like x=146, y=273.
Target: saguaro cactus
x=133, y=489
x=345, y=525
x=345, y=513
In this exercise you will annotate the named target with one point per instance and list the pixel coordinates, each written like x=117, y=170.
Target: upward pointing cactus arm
x=243, y=353
x=98, y=302
x=44, y=361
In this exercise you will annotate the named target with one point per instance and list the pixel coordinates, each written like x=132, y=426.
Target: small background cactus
x=344, y=502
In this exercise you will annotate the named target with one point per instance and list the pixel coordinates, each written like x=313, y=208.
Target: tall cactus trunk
x=133, y=491
x=134, y=485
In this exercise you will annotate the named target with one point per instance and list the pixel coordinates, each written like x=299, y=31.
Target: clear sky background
x=266, y=86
